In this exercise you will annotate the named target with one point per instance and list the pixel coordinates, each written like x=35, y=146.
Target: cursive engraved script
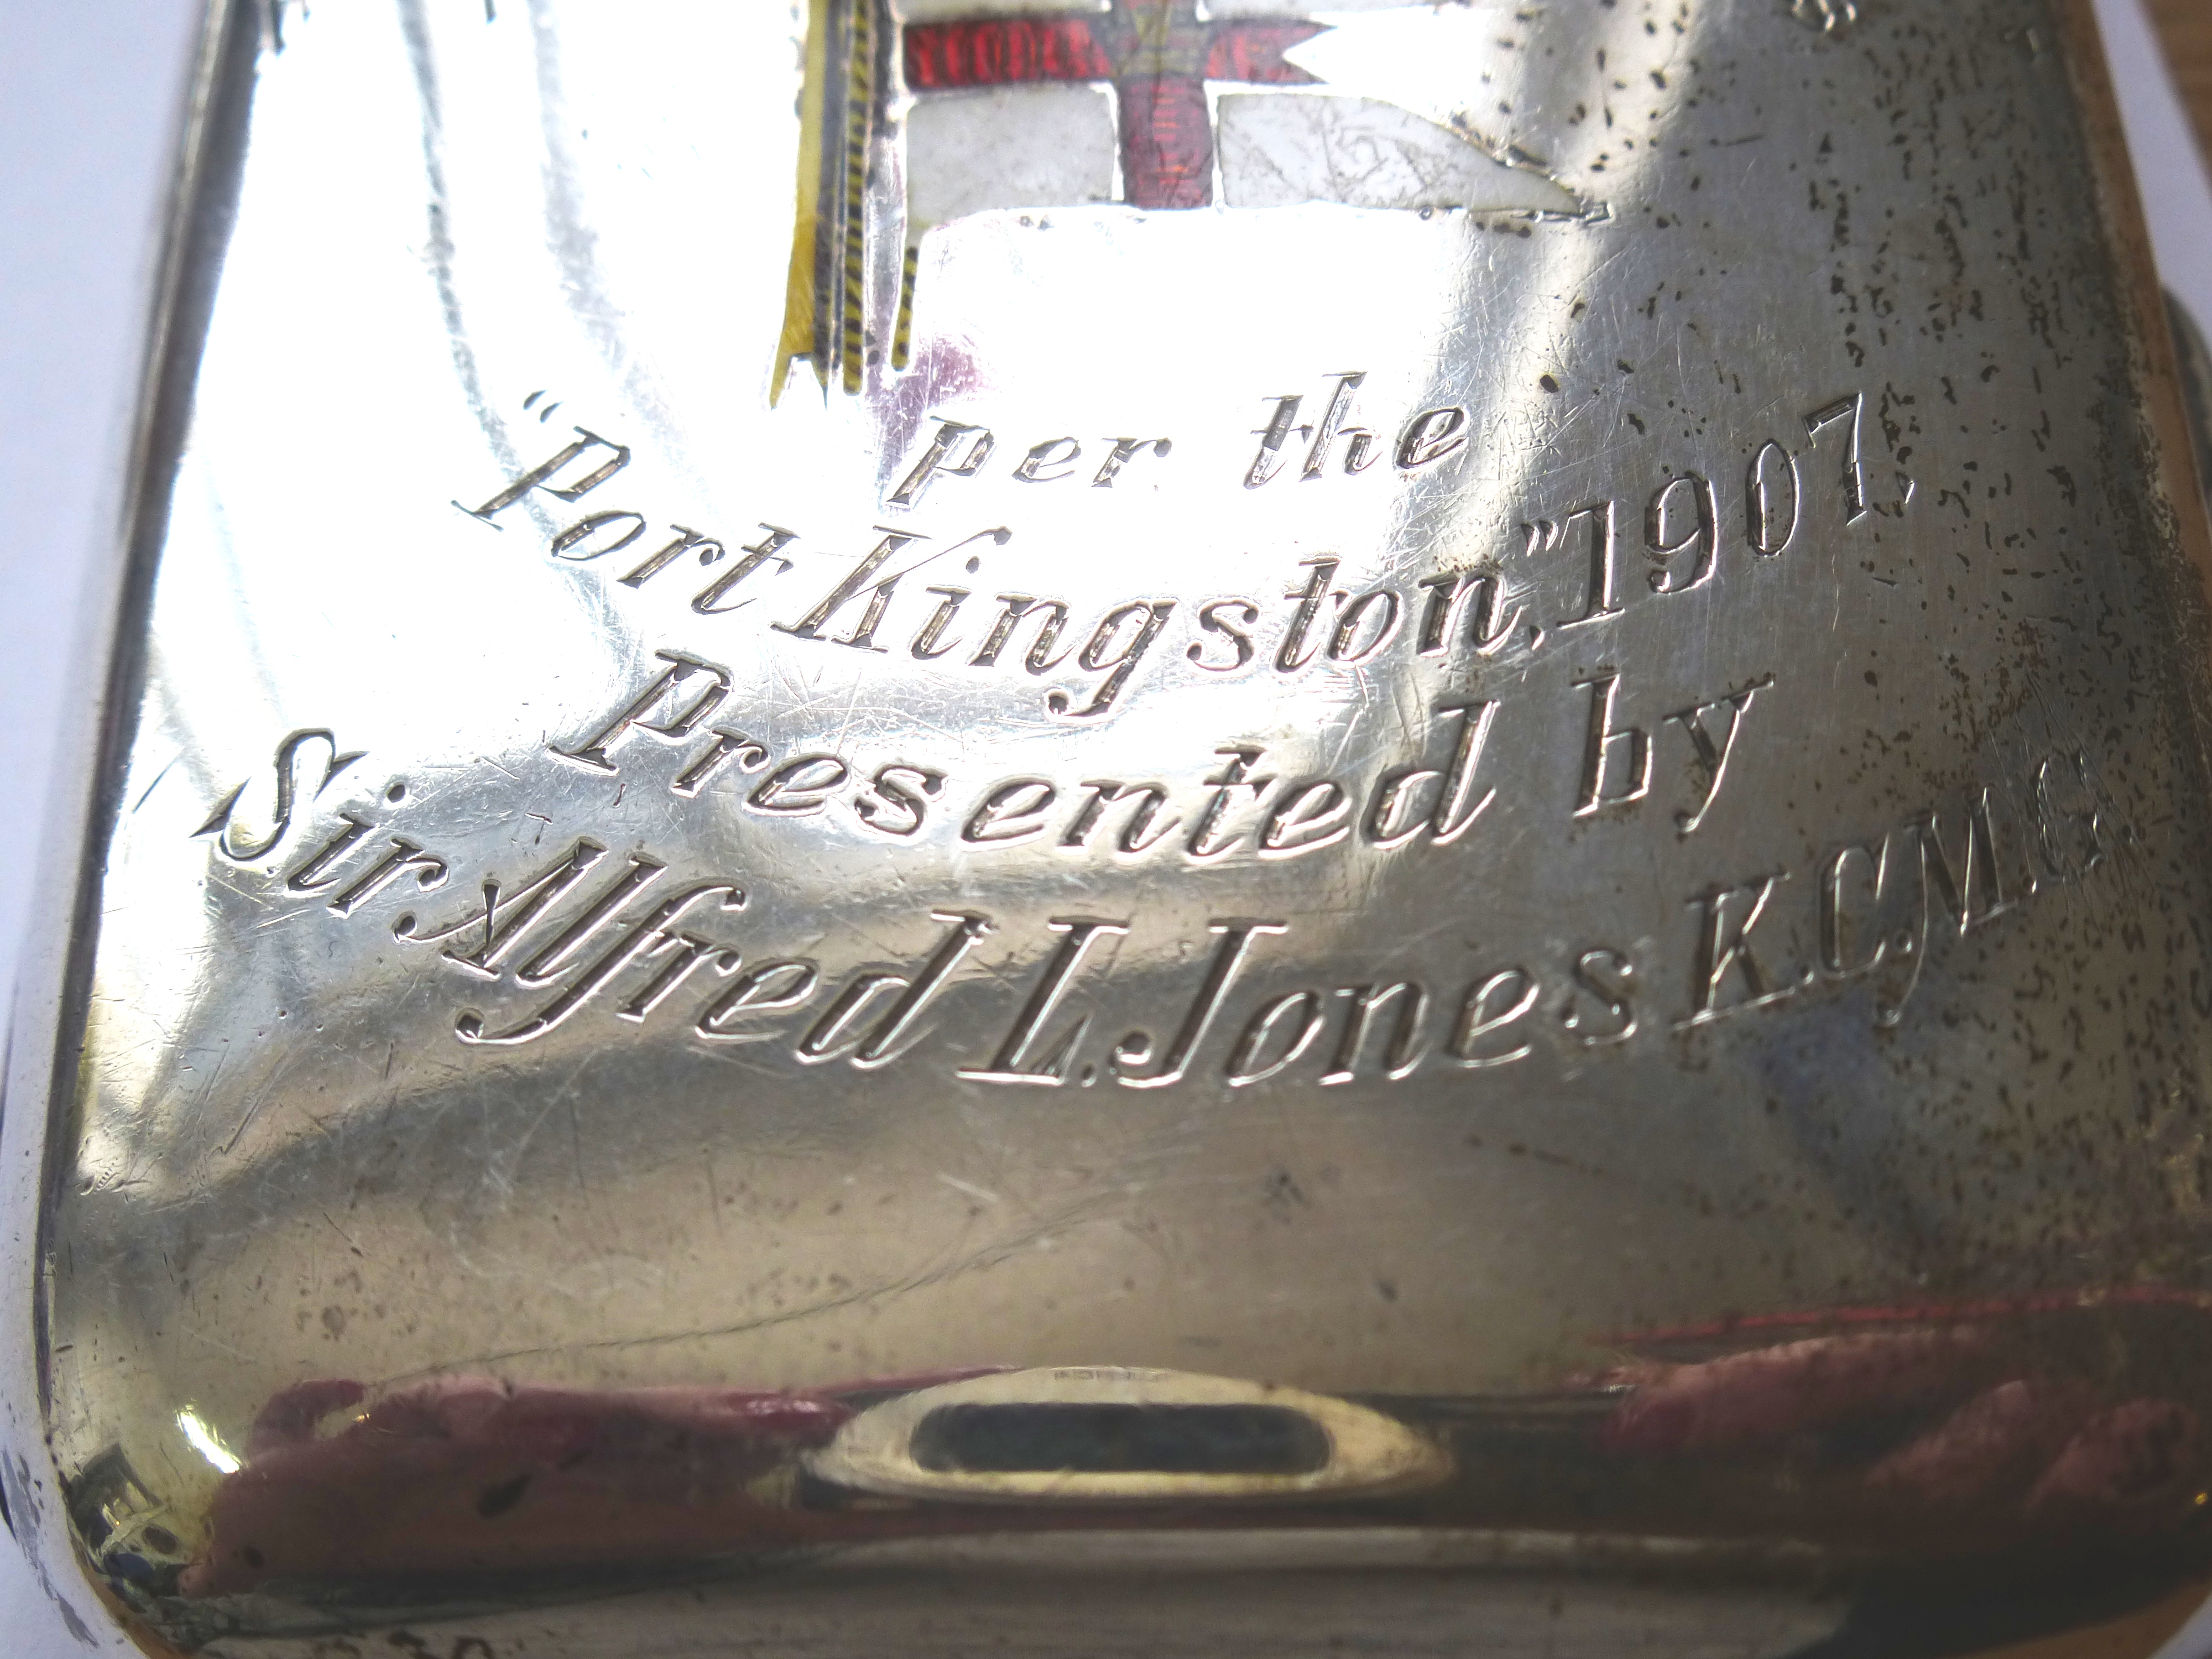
x=1566, y=573
x=1234, y=799
x=586, y=928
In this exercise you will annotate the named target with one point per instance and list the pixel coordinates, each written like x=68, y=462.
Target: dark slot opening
x=1119, y=1439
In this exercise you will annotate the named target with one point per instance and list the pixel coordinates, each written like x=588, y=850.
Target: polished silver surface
x=1402, y=810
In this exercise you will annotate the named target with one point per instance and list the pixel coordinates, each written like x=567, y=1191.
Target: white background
x=90, y=100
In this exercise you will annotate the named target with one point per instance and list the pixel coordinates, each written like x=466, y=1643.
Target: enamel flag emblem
x=926, y=111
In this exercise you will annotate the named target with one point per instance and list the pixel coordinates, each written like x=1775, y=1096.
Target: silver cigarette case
x=1128, y=829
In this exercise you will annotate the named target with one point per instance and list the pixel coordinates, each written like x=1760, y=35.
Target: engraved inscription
x=1431, y=793
x=1873, y=910
x=1569, y=573
x=586, y=928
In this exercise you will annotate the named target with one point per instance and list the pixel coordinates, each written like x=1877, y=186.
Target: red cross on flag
x=1147, y=104
x=1151, y=59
